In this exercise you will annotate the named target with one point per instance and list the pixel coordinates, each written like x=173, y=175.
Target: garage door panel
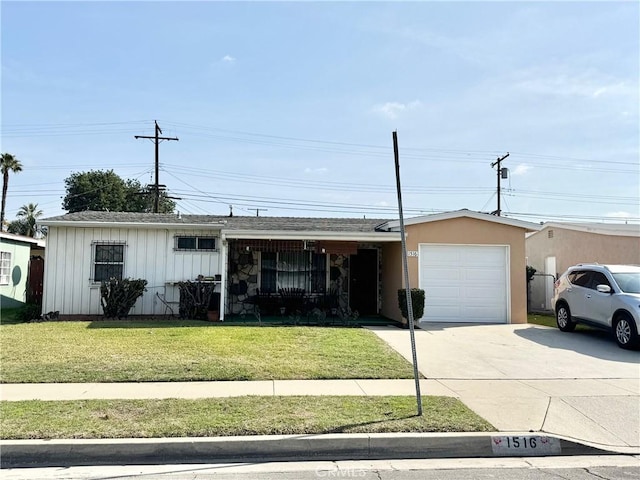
x=464, y=283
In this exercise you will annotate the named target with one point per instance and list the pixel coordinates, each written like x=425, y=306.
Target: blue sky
x=290, y=107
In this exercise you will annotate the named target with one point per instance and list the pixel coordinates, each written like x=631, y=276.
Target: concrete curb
x=22, y=453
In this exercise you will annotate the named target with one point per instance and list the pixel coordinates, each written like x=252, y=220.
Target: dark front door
x=363, y=281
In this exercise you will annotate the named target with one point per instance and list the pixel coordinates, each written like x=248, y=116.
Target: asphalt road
x=615, y=467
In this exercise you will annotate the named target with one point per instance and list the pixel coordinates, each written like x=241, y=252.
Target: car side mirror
x=604, y=288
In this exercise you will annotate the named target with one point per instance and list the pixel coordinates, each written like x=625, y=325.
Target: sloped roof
x=394, y=225
x=38, y=242
x=229, y=224
x=617, y=229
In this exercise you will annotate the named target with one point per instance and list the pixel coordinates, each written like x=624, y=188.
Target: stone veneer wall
x=244, y=270
x=242, y=281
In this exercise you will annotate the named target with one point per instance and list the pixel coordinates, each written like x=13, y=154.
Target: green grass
x=233, y=416
x=123, y=351
x=550, y=321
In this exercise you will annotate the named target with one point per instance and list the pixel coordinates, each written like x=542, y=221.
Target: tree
x=8, y=163
x=105, y=191
x=27, y=222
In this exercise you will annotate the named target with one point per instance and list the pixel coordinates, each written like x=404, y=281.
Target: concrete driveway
x=531, y=378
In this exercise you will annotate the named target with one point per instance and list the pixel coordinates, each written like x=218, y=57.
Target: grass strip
x=550, y=321
x=128, y=351
x=252, y=415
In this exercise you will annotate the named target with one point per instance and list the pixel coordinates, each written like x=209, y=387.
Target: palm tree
x=29, y=214
x=8, y=163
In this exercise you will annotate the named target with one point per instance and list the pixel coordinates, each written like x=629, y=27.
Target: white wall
x=149, y=254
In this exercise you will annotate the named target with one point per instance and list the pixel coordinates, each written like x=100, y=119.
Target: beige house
x=471, y=266
x=557, y=246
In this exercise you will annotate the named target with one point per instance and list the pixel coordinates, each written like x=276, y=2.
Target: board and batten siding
x=149, y=254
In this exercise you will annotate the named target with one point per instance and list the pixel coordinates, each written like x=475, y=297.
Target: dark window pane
x=581, y=278
x=105, y=272
x=205, y=243
x=109, y=253
x=318, y=273
x=598, y=279
x=268, y=273
x=186, y=243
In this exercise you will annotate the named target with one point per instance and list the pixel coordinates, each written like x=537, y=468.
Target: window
x=304, y=270
x=5, y=267
x=196, y=243
x=598, y=278
x=108, y=261
x=580, y=278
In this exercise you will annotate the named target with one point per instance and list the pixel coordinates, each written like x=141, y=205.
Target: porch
x=316, y=281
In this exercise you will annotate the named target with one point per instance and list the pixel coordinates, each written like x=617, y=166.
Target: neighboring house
x=20, y=260
x=557, y=246
x=357, y=261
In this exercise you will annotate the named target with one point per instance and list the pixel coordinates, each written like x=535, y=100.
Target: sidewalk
x=160, y=390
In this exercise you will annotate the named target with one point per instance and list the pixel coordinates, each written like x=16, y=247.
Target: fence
x=540, y=293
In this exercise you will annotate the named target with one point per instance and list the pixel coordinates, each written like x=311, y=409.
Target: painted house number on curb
x=412, y=253
x=526, y=445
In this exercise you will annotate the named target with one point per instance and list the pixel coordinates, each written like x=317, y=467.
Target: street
x=609, y=467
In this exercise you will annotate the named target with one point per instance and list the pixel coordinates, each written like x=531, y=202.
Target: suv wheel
x=625, y=332
x=563, y=318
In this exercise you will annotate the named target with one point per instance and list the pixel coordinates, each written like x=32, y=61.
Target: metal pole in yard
x=405, y=265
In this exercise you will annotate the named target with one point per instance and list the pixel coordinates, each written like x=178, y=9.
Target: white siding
x=149, y=254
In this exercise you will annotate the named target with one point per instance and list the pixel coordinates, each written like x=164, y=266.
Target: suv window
x=598, y=278
x=580, y=278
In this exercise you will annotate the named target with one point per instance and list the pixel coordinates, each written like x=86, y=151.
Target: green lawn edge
x=237, y=416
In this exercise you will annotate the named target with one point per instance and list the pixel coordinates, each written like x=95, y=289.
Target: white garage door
x=464, y=283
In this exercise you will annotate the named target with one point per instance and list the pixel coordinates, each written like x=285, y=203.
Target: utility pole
x=258, y=210
x=501, y=174
x=156, y=139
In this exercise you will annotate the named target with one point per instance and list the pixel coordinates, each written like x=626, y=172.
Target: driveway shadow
x=593, y=343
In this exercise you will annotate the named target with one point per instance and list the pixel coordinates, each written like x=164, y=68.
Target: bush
x=119, y=296
x=530, y=273
x=28, y=312
x=417, y=302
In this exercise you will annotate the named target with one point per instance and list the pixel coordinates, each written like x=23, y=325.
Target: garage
x=465, y=283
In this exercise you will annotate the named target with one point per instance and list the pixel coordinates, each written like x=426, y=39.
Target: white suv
x=604, y=296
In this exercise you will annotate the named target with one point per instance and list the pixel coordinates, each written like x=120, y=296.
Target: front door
x=363, y=282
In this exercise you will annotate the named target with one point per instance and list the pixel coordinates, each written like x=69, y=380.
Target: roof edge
x=464, y=213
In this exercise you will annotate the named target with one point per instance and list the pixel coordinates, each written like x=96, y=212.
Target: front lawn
x=124, y=351
x=233, y=416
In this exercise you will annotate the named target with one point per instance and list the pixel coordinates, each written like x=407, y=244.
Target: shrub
x=28, y=312
x=530, y=273
x=119, y=296
x=417, y=302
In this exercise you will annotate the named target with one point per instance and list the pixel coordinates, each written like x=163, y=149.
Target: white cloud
x=521, y=169
x=581, y=84
x=393, y=109
x=228, y=59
